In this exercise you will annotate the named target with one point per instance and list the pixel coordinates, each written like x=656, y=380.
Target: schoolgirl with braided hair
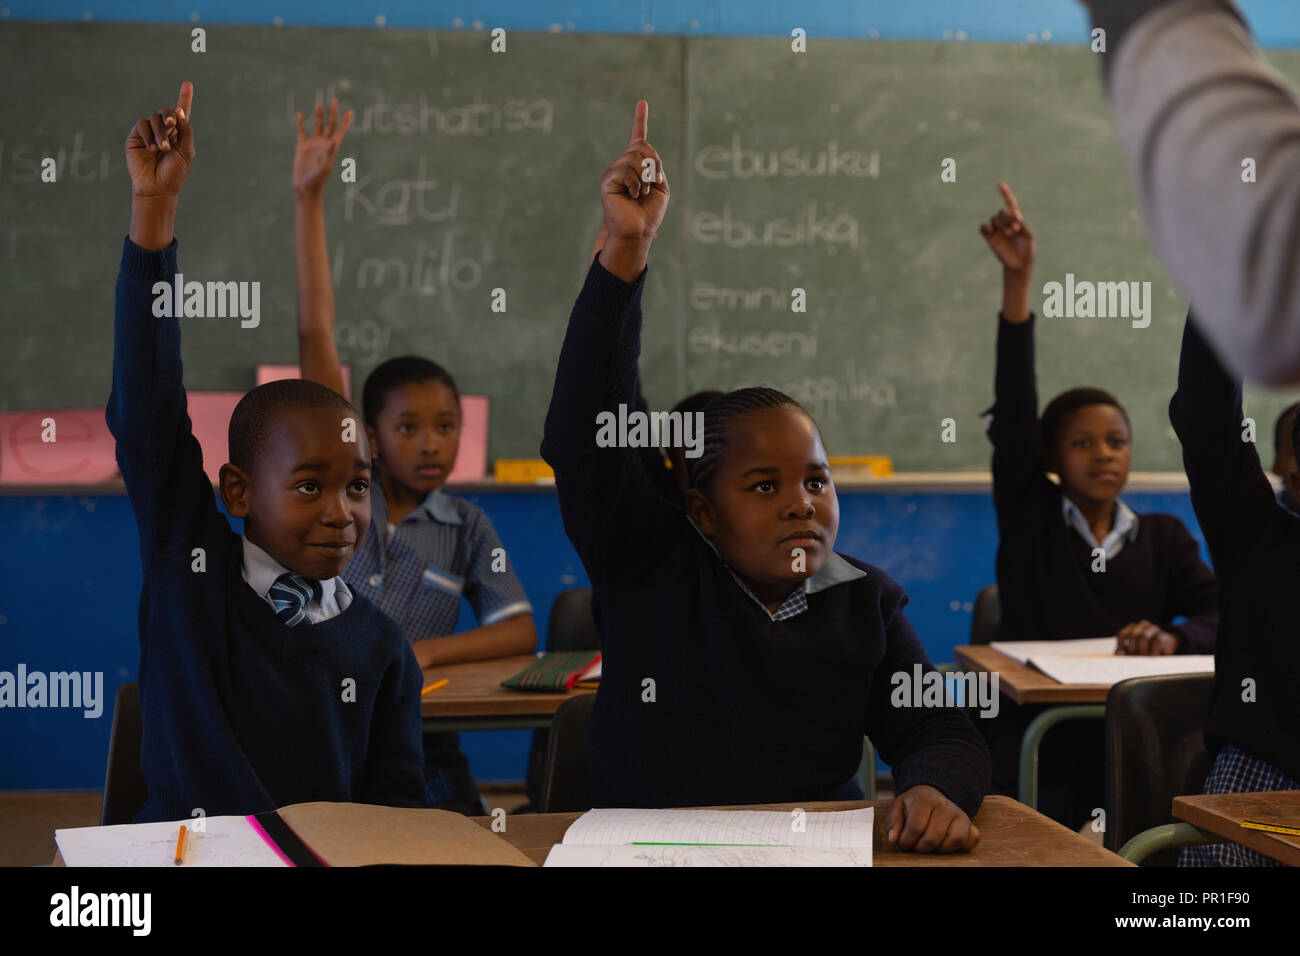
x=744, y=659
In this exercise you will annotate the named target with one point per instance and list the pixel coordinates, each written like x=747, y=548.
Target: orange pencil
x=438, y=686
x=180, y=846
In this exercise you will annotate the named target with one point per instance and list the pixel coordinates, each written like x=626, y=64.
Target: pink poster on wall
x=56, y=446
x=73, y=446
x=276, y=373
x=471, y=460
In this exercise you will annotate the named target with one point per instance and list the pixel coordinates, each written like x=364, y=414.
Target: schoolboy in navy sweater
x=736, y=680
x=1073, y=561
x=247, y=707
x=1047, y=583
x=1253, y=728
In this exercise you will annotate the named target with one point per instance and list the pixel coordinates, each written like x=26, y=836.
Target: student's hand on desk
x=634, y=196
x=160, y=149
x=313, y=157
x=1143, y=637
x=923, y=820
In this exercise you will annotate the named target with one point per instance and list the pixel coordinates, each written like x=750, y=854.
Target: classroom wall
x=1276, y=22
x=70, y=586
x=69, y=569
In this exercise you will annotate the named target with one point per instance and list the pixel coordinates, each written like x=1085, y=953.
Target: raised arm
x=1017, y=445
x=612, y=514
x=160, y=460
x=313, y=161
x=1231, y=495
x=1212, y=139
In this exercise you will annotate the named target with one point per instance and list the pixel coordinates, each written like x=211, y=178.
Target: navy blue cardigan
x=746, y=710
x=241, y=714
x=1047, y=587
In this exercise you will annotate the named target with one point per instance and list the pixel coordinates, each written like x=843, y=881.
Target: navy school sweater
x=746, y=710
x=1046, y=585
x=1255, y=546
x=240, y=713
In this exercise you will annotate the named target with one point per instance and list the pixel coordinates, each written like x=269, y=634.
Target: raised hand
x=313, y=157
x=634, y=196
x=1010, y=238
x=160, y=149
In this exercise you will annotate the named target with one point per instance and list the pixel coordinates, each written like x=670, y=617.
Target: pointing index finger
x=639, y=122
x=1009, y=198
x=184, y=98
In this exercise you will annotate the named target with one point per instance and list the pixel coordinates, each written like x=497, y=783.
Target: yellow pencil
x=180, y=846
x=438, y=686
x=1271, y=827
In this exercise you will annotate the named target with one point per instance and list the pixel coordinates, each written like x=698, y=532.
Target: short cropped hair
x=254, y=418
x=719, y=416
x=1060, y=408
x=396, y=372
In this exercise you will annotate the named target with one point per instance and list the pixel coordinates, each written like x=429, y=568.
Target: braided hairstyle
x=719, y=415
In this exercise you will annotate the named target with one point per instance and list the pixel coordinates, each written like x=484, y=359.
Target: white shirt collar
x=835, y=571
x=1123, y=531
x=260, y=570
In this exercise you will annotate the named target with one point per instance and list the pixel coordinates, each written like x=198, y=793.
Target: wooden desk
x=1027, y=685
x=475, y=700
x=1222, y=813
x=1011, y=834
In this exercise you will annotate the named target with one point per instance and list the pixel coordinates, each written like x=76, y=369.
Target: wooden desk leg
x=1034, y=733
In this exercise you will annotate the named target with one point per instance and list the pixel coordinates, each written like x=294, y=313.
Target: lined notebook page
x=1112, y=670
x=834, y=829
x=569, y=854
x=225, y=841
x=1024, y=650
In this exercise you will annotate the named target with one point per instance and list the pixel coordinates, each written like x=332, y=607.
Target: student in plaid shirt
x=425, y=549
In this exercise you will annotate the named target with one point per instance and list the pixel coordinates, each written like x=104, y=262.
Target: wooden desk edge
x=1260, y=840
x=1057, y=693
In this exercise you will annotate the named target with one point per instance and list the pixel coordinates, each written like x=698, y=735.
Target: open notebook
x=1092, y=660
x=305, y=834
x=716, y=838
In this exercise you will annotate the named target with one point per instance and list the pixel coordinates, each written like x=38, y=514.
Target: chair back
x=125, y=791
x=1154, y=752
x=568, y=756
x=987, y=616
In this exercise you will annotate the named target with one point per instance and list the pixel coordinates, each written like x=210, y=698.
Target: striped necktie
x=291, y=594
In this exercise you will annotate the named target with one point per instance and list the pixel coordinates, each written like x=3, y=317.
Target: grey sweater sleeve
x=1194, y=101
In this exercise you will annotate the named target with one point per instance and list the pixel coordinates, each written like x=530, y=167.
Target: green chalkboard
x=902, y=293
x=818, y=171
x=475, y=171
